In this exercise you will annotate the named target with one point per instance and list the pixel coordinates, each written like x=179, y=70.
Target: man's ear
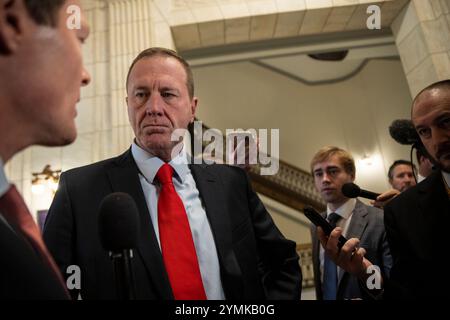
x=194, y=103
x=13, y=15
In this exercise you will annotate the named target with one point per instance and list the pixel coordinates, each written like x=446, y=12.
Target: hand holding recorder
x=345, y=253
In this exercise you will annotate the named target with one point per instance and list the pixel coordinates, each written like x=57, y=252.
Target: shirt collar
x=149, y=165
x=345, y=211
x=446, y=178
x=4, y=184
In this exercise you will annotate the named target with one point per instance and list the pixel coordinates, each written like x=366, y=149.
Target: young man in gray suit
x=332, y=167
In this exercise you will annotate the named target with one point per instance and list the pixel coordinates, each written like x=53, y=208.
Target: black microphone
x=351, y=190
x=403, y=132
x=118, y=223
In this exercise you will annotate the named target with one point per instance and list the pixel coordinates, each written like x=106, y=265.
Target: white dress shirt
x=446, y=178
x=420, y=178
x=187, y=190
x=346, y=213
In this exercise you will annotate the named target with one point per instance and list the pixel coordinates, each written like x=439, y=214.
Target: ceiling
x=310, y=71
x=292, y=59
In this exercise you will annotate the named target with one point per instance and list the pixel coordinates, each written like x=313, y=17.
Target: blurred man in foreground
x=40, y=79
x=416, y=220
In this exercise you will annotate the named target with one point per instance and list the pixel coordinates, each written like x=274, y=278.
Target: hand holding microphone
x=351, y=190
x=384, y=198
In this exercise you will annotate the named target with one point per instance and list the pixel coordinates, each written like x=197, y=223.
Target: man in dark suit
x=417, y=220
x=332, y=167
x=37, y=107
x=238, y=252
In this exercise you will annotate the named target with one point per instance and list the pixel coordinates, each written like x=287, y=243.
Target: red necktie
x=15, y=211
x=177, y=246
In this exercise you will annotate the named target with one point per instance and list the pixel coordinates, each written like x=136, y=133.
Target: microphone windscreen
x=351, y=190
x=403, y=132
x=118, y=222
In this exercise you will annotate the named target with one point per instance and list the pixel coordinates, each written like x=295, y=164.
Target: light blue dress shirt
x=346, y=213
x=187, y=190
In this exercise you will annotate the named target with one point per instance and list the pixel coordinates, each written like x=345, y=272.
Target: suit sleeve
x=384, y=262
x=386, y=257
x=59, y=229
x=398, y=285
x=279, y=262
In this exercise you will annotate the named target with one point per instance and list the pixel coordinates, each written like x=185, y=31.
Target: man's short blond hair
x=345, y=158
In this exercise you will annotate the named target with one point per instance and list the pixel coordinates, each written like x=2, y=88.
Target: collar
x=345, y=211
x=4, y=184
x=420, y=178
x=149, y=165
x=446, y=177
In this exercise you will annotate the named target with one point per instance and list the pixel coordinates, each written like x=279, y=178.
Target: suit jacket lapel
x=356, y=228
x=124, y=177
x=212, y=194
x=432, y=203
x=434, y=207
x=358, y=221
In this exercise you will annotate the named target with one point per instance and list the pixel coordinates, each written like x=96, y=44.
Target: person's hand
x=384, y=198
x=350, y=257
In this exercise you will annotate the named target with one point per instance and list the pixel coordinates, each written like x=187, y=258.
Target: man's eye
x=445, y=123
x=424, y=132
x=318, y=174
x=167, y=94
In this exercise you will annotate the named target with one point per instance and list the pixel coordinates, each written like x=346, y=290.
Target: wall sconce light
x=47, y=179
x=367, y=160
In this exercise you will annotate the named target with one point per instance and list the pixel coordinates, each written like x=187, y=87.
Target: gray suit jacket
x=367, y=225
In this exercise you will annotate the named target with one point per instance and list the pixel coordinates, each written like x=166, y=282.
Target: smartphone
x=320, y=221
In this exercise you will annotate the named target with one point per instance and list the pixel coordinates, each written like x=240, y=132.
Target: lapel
x=358, y=222
x=433, y=206
x=124, y=177
x=356, y=228
x=212, y=194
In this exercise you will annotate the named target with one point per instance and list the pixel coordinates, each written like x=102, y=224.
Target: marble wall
x=422, y=32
